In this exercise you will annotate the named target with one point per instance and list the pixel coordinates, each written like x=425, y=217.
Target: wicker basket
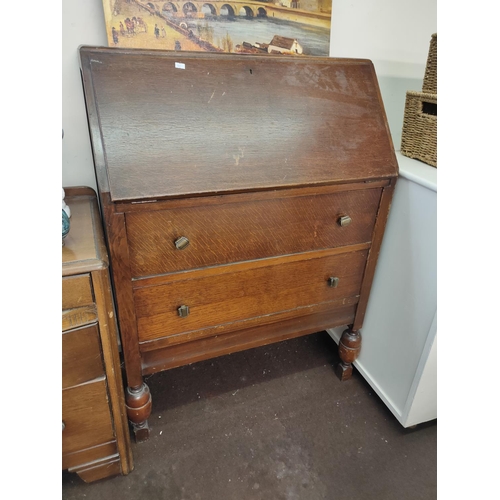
x=419, y=136
x=430, y=77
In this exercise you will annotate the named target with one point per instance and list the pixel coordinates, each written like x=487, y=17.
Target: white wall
x=82, y=24
x=394, y=34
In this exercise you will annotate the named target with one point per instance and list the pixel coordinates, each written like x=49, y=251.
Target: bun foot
x=349, y=348
x=139, y=403
x=141, y=431
x=344, y=371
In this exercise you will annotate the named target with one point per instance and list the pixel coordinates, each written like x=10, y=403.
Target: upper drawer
x=76, y=291
x=81, y=356
x=241, y=291
x=233, y=232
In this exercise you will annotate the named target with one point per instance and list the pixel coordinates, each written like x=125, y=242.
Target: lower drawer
x=86, y=417
x=89, y=457
x=241, y=291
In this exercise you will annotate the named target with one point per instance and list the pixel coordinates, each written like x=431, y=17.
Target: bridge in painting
x=201, y=9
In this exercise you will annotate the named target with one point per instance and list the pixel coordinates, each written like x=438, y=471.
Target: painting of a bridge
x=292, y=27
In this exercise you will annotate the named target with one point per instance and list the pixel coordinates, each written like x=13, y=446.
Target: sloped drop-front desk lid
x=170, y=124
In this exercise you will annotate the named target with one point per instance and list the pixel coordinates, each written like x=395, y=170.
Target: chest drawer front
x=81, y=356
x=76, y=291
x=248, y=292
x=233, y=232
x=86, y=417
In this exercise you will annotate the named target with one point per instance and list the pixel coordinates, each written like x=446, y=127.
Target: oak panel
x=81, y=356
x=178, y=355
x=93, y=472
x=80, y=316
x=231, y=123
x=76, y=291
x=248, y=293
x=86, y=417
x=88, y=455
x=220, y=234
x=249, y=324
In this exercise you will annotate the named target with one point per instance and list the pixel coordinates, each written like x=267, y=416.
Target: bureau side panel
x=378, y=234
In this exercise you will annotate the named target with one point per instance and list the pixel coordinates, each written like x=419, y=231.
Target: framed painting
x=293, y=27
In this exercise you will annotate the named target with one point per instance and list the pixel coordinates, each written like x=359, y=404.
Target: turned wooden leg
x=349, y=347
x=138, y=403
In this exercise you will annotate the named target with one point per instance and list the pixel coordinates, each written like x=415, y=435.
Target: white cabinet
x=398, y=354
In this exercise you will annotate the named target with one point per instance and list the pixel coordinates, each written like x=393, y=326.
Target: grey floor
x=272, y=423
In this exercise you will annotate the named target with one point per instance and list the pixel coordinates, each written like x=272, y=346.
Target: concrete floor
x=272, y=423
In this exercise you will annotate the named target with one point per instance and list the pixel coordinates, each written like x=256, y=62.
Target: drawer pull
x=333, y=282
x=181, y=243
x=183, y=311
x=344, y=220
x=64, y=425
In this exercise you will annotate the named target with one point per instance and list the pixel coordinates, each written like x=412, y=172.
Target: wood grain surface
x=81, y=356
x=86, y=415
x=76, y=291
x=87, y=456
x=79, y=316
x=253, y=292
x=229, y=123
x=95, y=439
x=253, y=159
x=326, y=316
x=220, y=234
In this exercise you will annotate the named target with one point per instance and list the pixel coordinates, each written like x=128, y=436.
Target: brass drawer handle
x=183, y=311
x=181, y=243
x=333, y=281
x=344, y=220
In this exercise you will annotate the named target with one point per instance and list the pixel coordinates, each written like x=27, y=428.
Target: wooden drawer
x=81, y=356
x=86, y=417
x=242, y=231
x=247, y=290
x=90, y=457
x=76, y=291
x=78, y=306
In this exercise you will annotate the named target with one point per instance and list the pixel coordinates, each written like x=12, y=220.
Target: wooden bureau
x=244, y=200
x=95, y=435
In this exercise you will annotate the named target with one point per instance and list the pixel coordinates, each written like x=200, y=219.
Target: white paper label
x=180, y=65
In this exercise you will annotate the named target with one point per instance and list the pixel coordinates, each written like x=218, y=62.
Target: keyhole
x=251, y=72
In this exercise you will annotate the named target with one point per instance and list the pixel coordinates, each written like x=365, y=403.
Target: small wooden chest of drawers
x=244, y=200
x=95, y=435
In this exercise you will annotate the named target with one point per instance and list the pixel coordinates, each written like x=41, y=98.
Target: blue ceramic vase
x=65, y=225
